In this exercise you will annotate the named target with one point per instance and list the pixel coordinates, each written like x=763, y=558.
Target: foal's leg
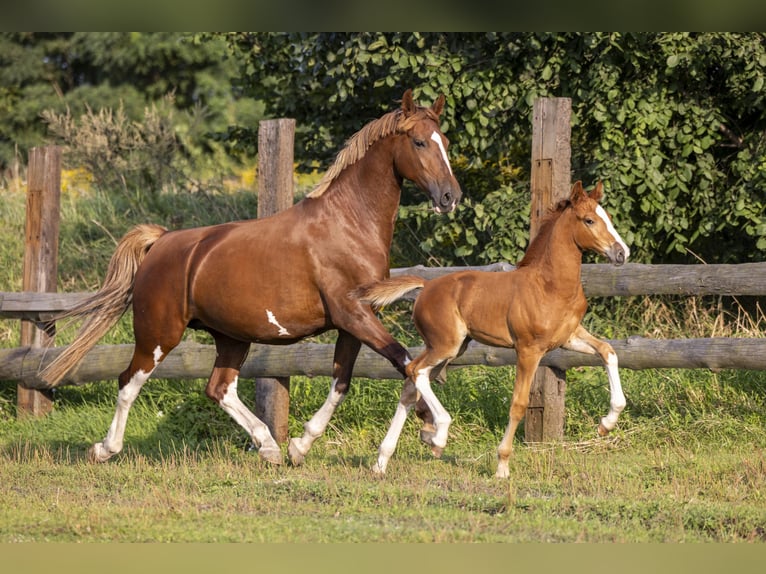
x=222, y=388
x=584, y=342
x=406, y=401
x=346, y=350
x=420, y=369
x=130, y=382
x=526, y=365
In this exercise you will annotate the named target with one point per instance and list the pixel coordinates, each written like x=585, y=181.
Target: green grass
x=686, y=463
x=668, y=474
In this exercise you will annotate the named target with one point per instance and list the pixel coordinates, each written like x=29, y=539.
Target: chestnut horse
x=534, y=308
x=274, y=280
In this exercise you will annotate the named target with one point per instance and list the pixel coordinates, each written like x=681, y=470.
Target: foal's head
x=422, y=154
x=593, y=227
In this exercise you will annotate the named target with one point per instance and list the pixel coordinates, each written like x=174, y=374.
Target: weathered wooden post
x=275, y=193
x=550, y=183
x=41, y=250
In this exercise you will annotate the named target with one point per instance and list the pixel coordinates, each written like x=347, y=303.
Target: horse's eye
x=589, y=221
x=419, y=143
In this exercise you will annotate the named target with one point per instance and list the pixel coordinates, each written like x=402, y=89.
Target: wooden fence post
x=275, y=193
x=550, y=183
x=40, y=257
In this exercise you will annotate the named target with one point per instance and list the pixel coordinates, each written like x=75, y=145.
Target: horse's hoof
x=602, y=430
x=379, y=469
x=437, y=451
x=296, y=456
x=97, y=454
x=271, y=455
x=427, y=436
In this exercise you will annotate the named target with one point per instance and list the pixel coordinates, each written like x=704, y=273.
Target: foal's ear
x=438, y=105
x=408, y=105
x=577, y=192
x=598, y=192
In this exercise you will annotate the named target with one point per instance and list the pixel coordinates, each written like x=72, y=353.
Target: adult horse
x=275, y=280
x=535, y=308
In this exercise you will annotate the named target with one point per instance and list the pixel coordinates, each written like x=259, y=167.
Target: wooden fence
x=550, y=179
x=191, y=360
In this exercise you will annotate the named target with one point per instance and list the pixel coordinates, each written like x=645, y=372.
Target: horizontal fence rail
x=599, y=280
x=192, y=360
x=195, y=360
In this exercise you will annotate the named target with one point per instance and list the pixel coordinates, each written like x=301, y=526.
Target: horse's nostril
x=446, y=198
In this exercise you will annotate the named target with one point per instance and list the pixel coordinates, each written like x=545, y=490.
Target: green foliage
x=672, y=122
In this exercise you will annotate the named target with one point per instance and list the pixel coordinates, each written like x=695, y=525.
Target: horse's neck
x=367, y=195
x=559, y=258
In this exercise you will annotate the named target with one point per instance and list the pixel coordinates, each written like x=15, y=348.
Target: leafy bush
x=673, y=123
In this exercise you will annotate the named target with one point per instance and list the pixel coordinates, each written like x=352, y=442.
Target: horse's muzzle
x=446, y=202
x=617, y=254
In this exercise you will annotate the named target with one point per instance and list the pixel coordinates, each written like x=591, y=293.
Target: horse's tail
x=105, y=307
x=388, y=291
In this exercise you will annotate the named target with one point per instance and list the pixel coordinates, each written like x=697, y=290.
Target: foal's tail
x=104, y=308
x=387, y=291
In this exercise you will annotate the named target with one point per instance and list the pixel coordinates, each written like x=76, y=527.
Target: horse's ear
x=577, y=192
x=408, y=105
x=598, y=192
x=438, y=105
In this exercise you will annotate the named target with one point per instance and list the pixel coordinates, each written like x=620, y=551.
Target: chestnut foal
x=534, y=308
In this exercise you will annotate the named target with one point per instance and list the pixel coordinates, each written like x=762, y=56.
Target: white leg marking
x=273, y=321
x=256, y=428
x=314, y=428
x=388, y=445
x=442, y=418
x=617, y=398
x=603, y=215
x=112, y=443
x=435, y=136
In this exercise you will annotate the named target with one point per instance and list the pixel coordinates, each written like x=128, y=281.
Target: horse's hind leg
x=439, y=374
x=420, y=370
x=583, y=342
x=131, y=380
x=222, y=388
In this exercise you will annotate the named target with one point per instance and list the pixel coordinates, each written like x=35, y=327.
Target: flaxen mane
x=358, y=144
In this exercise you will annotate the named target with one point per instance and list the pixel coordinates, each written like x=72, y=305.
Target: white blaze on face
x=438, y=140
x=273, y=320
x=608, y=222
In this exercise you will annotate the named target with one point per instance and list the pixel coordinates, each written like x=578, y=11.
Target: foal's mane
x=543, y=232
x=358, y=144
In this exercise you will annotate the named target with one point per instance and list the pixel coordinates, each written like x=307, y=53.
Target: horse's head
x=422, y=153
x=594, y=230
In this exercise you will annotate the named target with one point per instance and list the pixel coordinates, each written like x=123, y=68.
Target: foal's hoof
x=437, y=451
x=293, y=452
x=427, y=434
x=271, y=455
x=602, y=430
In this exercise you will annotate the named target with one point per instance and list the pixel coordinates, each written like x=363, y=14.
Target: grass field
x=686, y=463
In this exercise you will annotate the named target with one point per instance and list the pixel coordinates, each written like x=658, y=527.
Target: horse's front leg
x=583, y=342
x=526, y=364
x=346, y=350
